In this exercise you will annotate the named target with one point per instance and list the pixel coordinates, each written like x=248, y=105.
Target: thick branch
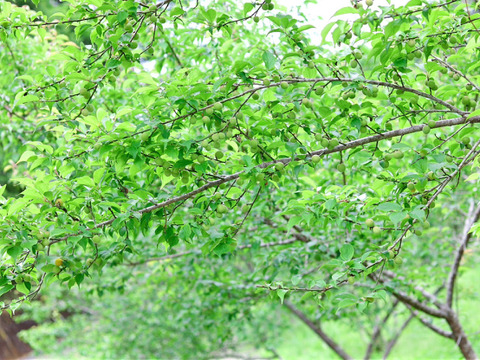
x=466, y=236
x=394, y=340
x=377, y=330
x=429, y=325
x=424, y=292
x=331, y=344
x=352, y=144
x=241, y=247
x=408, y=300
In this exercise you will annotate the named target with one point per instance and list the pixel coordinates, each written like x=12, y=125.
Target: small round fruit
x=411, y=42
x=398, y=154
x=411, y=186
x=370, y=223
x=432, y=123
x=358, y=54
x=279, y=166
x=284, y=85
x=426, y=129
x=319, y=91
x=266, y=82
x=315, y=159
x=376, y=230
x=96, y=239
x=145, y=136
x=128, y=28
x=369, y=2
x=219, y=154
x=206, y=120
x=351, y=279
x=255, y=96
x=85, y=93
x=59, y=203
x=218, y=106
x=222, y=209
x=256, y=19
x=59, y=262
x=341, y=167
x=398, y=260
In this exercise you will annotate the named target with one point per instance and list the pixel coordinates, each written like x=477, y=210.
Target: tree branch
x=406, y=299
x=429, y=325
x=339, y=148
x=471, y=219
x=394, y=340
x=317, y=330
x=378, y=329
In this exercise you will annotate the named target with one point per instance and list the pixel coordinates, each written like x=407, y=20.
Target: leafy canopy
x=238, y=137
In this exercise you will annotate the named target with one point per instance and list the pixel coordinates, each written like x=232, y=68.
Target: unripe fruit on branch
x=85, y=93
x=370, y=223
x=398, y=154
x=59, y=262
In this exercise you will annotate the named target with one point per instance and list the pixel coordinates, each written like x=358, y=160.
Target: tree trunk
x=460, y=337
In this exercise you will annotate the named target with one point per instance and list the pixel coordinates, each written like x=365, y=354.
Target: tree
x=221, y=157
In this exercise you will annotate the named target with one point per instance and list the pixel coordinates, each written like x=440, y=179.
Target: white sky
x=320, y=14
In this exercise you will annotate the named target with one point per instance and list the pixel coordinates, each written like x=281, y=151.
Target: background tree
x=216, y=160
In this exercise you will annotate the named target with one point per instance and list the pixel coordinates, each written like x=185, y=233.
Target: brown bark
x=11, y=347
x=317, y=330
x=460, y=337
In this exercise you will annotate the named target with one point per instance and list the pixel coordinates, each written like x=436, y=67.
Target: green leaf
x=389, y=207
x=26, y=156
x=5, y=289
x=281, y=294
x=269, y=60
x=346, y=252
x=346, y=10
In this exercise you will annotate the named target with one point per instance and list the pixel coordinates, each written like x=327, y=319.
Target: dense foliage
x=206, y=168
